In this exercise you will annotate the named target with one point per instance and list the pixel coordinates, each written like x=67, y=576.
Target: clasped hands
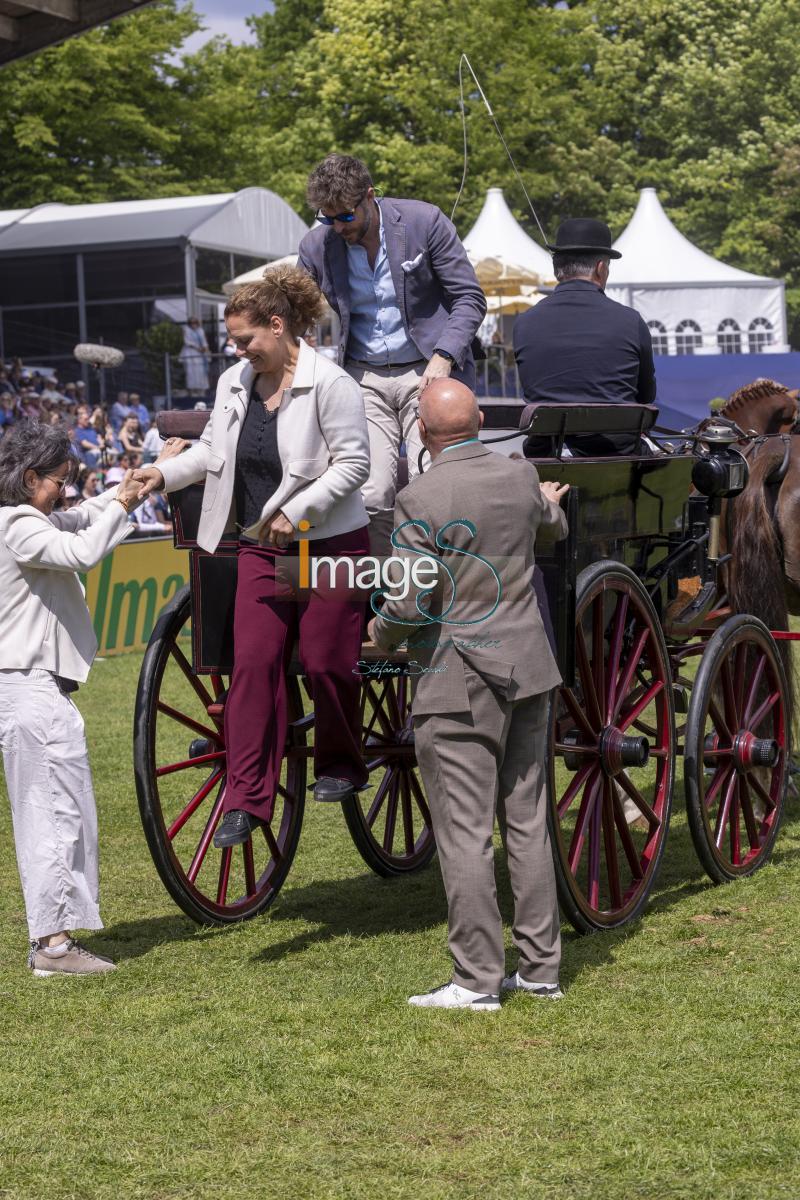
x=278, y=531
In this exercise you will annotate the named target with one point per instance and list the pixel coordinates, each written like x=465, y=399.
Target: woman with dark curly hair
x=285, y=451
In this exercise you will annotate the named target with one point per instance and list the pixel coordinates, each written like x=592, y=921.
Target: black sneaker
x=237, y=826
x=332, y=791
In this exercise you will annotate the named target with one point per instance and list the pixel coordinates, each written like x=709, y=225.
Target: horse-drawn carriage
x=656, y=667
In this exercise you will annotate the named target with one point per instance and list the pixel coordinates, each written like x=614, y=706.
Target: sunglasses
x=344, y=218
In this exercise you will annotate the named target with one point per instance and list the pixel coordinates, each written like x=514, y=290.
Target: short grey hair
x=30, y=446
x=569, y=265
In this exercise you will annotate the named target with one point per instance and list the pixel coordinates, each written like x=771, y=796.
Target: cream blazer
x=322, y=442
x=44, y=621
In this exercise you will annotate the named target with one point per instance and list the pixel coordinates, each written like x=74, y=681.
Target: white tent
x=693, y=303
x=257, y=273
x=504, y=257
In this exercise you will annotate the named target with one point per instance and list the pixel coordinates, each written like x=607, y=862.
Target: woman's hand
x=278, y=531
x=128, y=491
x=171, y=448
x=554, y=491
x=148, y=479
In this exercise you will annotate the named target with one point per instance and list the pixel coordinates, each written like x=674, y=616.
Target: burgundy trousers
x=270, y=613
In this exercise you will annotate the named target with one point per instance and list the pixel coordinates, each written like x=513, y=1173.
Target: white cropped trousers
x=52, y=803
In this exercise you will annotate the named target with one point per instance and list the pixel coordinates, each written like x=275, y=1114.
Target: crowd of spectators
x=105, y=443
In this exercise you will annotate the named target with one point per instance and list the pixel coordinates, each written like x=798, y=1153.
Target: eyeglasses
x=344, y=218
x=62, y=483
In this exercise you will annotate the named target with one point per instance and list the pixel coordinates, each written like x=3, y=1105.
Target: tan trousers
x=390, y=400
x=475, y=765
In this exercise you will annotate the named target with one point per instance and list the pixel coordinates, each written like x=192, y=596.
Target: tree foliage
x=597, y=99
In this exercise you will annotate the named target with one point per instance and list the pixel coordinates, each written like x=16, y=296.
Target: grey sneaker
x=76, y=960
x=544, y=991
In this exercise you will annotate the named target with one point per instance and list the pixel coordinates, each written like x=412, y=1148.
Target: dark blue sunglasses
x=344, y=218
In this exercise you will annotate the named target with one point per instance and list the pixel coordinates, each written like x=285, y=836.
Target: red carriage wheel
x=611, y=784
x=180, y=768
x=390, y=822
x=737, y=749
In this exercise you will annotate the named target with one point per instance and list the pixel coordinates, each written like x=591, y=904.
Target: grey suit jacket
x=477, y=513
x=439, y=296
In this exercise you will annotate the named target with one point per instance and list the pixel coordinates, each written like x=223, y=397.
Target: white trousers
x=390, y=400
x=52, y=803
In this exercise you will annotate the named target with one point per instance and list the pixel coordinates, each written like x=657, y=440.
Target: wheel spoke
x=195, y=802
x=740, y=665
x=391, y=814
x=576, y=783
x=762, y=710
x=183, y=719
x=249, y=867
x=170, y=768
x=649, y=696
x=408, y=823
x=736, y=849
x=731, y=712
x=218, y=684
x=224, y=874
x=579, y=833
x=720, y=724
x=638, y=799
x=719, y=780
x=758, y=787
x=380, y=796
x=630, y=668
x=577, y=714
x=599, y=652
x=610, y=843
x=724, y=811
x=587, y=680
x=748, y=814
x=625, y=835
x=182, y=661
x=380, y=714
x=614, y=656
x=274, y=848
x=753, y=690
x=419, y=797
x=594, y=850
x=205, y=841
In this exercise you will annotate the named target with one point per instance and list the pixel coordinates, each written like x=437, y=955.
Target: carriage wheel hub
x=750, y=751
x=620, y=750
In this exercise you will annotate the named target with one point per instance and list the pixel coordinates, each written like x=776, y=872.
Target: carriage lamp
x=719, y=473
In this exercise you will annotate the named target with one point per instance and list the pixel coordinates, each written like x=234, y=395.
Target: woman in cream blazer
x=47, y=645
x=284, y=453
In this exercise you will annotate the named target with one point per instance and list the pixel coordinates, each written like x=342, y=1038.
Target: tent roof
x=654, y=252
x=498, y=236
x=253, y=221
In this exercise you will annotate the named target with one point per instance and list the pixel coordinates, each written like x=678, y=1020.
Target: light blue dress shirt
x=377, y=334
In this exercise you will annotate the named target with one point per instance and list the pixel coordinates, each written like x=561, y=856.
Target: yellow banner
x=128, y=590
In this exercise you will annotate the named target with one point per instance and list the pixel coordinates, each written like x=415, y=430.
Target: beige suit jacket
x=477, y=513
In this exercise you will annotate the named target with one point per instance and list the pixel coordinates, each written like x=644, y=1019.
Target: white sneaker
x=452, y=995
x=544, y=991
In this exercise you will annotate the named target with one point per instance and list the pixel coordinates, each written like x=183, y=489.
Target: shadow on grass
x=132, y=939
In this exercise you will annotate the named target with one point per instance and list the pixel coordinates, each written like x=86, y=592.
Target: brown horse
x=763, y=523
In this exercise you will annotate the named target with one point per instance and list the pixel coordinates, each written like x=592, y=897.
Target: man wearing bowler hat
x=577, y=345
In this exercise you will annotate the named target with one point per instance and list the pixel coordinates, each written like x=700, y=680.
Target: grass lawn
x=279, y=1059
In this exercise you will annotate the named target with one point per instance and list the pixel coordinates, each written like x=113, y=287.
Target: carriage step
x=692, y=615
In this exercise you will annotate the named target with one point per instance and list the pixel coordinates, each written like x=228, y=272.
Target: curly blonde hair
x=286, y=292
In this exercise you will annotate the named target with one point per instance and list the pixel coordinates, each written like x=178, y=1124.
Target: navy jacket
x=576, y=344
x=437, y=291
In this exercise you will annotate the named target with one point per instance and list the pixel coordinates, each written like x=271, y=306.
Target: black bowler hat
x=584, y=235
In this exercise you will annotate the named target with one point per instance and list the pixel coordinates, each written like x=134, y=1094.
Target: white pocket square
x=411, y=264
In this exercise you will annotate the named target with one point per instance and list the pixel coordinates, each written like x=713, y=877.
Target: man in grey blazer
x=480, y=708
x=409, y=306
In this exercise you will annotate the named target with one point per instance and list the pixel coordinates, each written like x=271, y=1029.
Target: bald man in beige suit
x=480, y=708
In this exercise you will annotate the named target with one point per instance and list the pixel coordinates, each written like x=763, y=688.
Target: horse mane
x=759, y=389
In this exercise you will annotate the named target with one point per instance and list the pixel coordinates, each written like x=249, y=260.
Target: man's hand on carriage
x=149, y=479
x=278, y=531
x=554, y=491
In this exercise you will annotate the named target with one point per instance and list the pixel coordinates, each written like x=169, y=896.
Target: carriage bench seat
x=561, y=421
x=176, y=422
